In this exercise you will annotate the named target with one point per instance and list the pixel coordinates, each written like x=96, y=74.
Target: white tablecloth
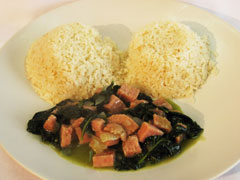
x=15, y=14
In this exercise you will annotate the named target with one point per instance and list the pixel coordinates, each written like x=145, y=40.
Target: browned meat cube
x=50, y=123
x=131, y=146
x=147, y=130
x=66, y=135
x=161, y=102
x=105, y=159
x=86, y=138
x=128, y=123
x=97, y=133
x=97, y=124
x=76, y=122
x=98, y=91
x=115, y=105
x=137, y=102
x=111, y=142
x=91, y=108
x=179, y=138
x=116, y=129
x=183, y=125
x=162, y=123
x=128, y=93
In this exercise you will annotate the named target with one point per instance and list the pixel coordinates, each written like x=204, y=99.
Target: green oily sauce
x=80, y=155
x=174, y=105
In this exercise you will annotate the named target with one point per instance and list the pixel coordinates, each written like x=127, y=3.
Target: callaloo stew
x=124, y=128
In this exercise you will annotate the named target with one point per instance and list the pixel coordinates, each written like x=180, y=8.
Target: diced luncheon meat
x=179, y=138
x=97, y=133
x=91, y=108
x=147, y=130
x=162, y=123
x=111, y=142
x=105, y=159
x=183, y=125
x=97, y=145
x=115, y=105
x=50, y=123
x=66, y=135
x=97, y=124
x=128, y=93
x=150, y=122
x=161, y=102
x=82, y=140
x=131, y=146
x=98, y=91
x=76, y=122
x=128, y=123
x=116, y=129
x=108, y=139
x=137, y=102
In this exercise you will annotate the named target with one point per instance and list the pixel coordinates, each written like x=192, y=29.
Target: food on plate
x=118, y=134
x=168, y=59
x=72, y=61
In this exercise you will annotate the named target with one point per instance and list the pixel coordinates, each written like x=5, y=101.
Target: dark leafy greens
x=154, y=148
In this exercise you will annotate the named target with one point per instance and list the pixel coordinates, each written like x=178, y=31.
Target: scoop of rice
x=71, y=61
x=168, y=59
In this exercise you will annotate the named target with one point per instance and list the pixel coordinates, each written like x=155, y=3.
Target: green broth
x=80, y=155
x=174, y=105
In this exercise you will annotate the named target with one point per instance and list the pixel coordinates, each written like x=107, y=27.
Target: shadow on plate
x=119, y=33
x=192, y=112
x=203, y=31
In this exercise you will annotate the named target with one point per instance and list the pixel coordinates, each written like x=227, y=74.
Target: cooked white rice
x=168, y=59
x=71, y=61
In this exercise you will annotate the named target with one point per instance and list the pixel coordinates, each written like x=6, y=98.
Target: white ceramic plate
x=216, y=105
